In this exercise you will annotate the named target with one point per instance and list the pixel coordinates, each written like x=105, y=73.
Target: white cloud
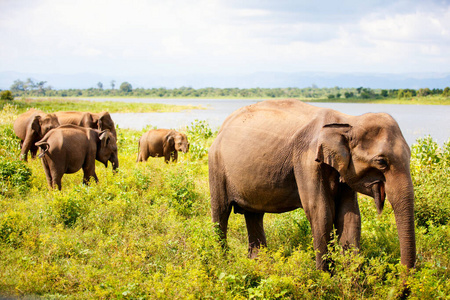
x=179, y=37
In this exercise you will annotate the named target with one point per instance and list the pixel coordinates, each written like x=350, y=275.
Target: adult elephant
x=30, y=127
x=100, y=121
x=162, y=142
x=276, y=156
x=69, y=148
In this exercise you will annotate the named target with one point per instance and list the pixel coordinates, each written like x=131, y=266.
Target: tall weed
x=430, y=169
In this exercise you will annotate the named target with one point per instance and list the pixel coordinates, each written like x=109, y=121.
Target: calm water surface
x=415, y=121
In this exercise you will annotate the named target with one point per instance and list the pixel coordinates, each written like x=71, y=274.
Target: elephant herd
x=72, y=140
x=270, y=157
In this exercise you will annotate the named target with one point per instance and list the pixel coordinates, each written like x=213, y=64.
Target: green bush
x=6, y=95
x=198, y=134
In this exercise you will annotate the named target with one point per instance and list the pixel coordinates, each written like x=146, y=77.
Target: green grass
x=57, y=104
x=428, y=100
x=146, y=233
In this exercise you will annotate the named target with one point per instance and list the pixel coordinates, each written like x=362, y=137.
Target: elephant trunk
x=115, y=162
x=400, y=193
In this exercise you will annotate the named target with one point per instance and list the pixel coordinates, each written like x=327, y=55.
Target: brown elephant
x=162, y=142
x=100, y=121
x=30, y=127
x=69, y=148
x=276, y=156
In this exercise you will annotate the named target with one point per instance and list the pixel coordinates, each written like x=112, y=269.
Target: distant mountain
x=261, y=79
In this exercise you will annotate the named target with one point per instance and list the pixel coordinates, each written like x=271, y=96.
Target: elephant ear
x=36, y=124
x=168, y=142
x=333, y=147
x=104, y=138
x=101, y=119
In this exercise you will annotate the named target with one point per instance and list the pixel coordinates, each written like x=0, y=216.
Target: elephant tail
x=44, y=148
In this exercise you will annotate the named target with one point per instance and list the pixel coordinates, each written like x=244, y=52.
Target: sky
x=230, y=37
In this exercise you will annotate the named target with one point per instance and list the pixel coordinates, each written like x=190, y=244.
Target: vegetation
x=146, y=233
x=405, y=96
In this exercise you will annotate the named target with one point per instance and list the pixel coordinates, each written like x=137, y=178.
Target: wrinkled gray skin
x=30, y=127
x=276, y=156
x=69, y=148
x=162, y=142
x=100, y=121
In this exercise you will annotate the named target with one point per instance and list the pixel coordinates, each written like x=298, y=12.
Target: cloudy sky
x=180, y=37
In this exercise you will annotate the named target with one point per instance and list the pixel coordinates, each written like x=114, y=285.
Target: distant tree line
x=30, y=88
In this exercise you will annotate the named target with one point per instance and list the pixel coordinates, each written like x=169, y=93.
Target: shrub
x=6, y=95
x=14, y=174
x=198, y=134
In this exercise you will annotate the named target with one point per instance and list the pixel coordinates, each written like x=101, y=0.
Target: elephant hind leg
x=255, y=230
x=220, y=205
x=55, y=178
x=48, y=174
x=142, y=154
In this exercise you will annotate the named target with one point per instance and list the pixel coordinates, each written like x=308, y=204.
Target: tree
x=348, y=95
x=40, y=86
x=100, y=85
x=446, y=92
x=126, y=87
x=29, y=84
x=424, y=92
x=113, y=84
x=18, y=85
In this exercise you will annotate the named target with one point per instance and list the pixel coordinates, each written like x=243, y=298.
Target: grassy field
x=429, y=100
x=146, y=233
x=58, y=104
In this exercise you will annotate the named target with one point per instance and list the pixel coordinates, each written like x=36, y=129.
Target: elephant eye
x=381, y=162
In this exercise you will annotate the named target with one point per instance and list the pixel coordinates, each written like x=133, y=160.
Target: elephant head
x=107, y=149
x=372, y=157
x=41, y=124
x=176, y=141
x=104, y=122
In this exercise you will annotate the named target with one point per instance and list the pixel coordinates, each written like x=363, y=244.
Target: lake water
x=416, y=121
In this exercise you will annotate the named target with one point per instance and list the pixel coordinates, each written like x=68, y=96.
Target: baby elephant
x=69, y=148
x=162, y=142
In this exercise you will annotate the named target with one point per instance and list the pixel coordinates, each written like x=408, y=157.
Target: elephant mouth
x=379, y=194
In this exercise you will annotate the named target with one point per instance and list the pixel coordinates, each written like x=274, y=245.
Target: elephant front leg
x=89, y=171
x=87, y=177
x=348, y=218
x=174, y=156
x=167, y=157
x=255, y=230
x=26, y=146
x=320, y=214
